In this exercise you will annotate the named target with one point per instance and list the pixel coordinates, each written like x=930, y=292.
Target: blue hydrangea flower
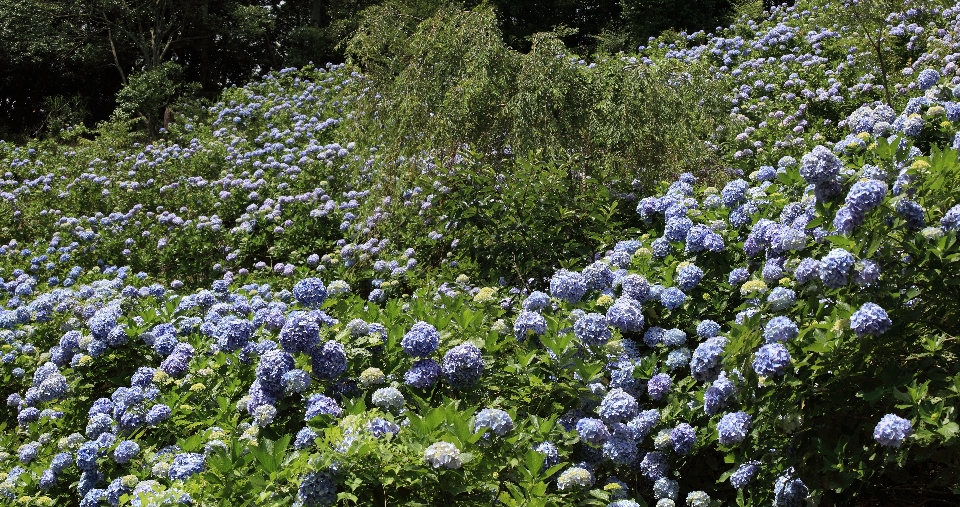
x=157, y=414
x=892, y=430
x=866, y=195
x=626, y=315
x=678, y=358
x=866, y=273
x=177, y=364
x=270, y=370
x=674, y=337
x=738, y=276
x=912, y=213
x=705, y=362
x=820, y=165
x=665, y=488
x=463, y=366
x=654, y=465
x=780, y=329
x=379, y=427
x=618, y=406
x=592, y=431
x=835, y=267
x=329, y=361
x=296, y=381
x=744, y=474
x=597, y=276
x=661, y=248
x=621, y=448
x=300, y=333
x=636, y=287
x=592, y=329
x=317, y=489
x=529, y=322
x=951, y=220
x=733, y=427
x=310, y=292
x=781, y=298
x=807, y=271
x=789, y=492
x=551, y=455
x=771, y=360
x=927, y=79
x=708, y=329
x=734, y=193
x=423, y=374
x=318, y=404
x=568, y=286
x=688, y=276
x=421, y=341
x=672, y=298
x=653, y=336
x=717, y=395
x=659, y=386
x=499, y=422
x=676, y=229
x=870, y=319
x=233, y=333
x=305, y=439
x=536, y=301
x=126, y=451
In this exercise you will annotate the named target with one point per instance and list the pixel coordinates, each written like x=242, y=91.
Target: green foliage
x=647, y=18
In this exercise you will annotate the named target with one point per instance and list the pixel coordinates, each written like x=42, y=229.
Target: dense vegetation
x=79, y=61
x=722, y=270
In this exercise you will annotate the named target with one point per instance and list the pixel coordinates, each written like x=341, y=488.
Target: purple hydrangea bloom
x=738, y=276
x=705, y=362
x=421, y=341
x=592, y=431
x=892, y=430
x=744, y=474
x=423, y=374
x=771, y=360
x=733, y=427
x=592, y=329
x=618, y=406
x=529, y=322
x=866, y=195
x=780, y=329
x=820, y=165
x=734, y=193
x=626, y=315
x=126, y=451
x=463, y=365
x=310, y=292
x=568, y=286
x=870, y=319
x=683, y=437
x=659, y=386
x=177, y=364
x=329, y=360
x=318, y=404
x=912, y=213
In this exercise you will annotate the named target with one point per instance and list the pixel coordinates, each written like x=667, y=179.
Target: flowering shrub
x=786, y=336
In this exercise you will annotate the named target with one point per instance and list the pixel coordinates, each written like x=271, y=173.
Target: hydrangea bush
x=787, y=336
